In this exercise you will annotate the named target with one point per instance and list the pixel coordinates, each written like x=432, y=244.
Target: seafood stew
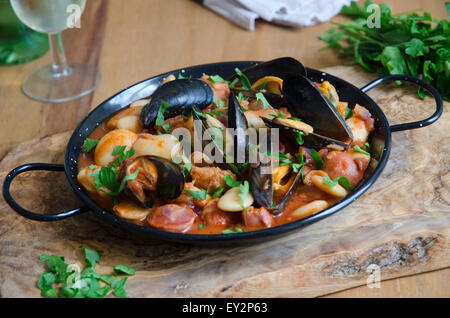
x=314, y=153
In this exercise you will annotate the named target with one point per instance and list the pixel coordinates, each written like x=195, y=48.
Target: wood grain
x=402, y=224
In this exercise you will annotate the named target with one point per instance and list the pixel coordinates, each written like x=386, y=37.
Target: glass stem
x=59, y=62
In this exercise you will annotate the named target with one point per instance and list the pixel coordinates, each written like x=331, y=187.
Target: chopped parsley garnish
x=121, y=155
x=241, y=97
x=299, y=137
x=260, y=98
x=108, y=176
x=62, y=280
x=89, y=144
x=366, y=146
x=358, y=149
x=348, y=112
x=233, y=83
x=217, y=193
x=243, y=186
x=220, y=104
x=343, y=181
x=244, y=79
x=197, y=195
x=160, y=118
x=201, y=226
x=236, y=230
x=318, y=161
x=294, y=118
x=216, y=79
x=187, y=165
x=281, y=115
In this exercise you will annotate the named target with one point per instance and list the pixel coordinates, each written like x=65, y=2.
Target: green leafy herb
x=343, y=181
x=201, y=226
x=230, y=182
x=318, y=161
x=241, y=97
x=124, y=269
x=236, y=230
x=281, y=115
x=260, y=98
x=62, y=280
x=232, y=85
x=245, y=187
x=187, y=165
x=358, y=149
x=216, y=79
x=217, y=193
x=160, y=118
x=299, y=137
x=244, y=79
x=89, y=144
x=121, y=154
x=91, y=256
x=411, y=44
x=197, y=195
x=294, y=118
x=348, y=112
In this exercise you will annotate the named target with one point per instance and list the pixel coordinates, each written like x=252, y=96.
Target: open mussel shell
x=232, y=149
x=240, y=139
x=306, y=101
x=180, y=94
x=310, y=139
x=281, y=67
x=261, y=181
x=158, y=178
x=262, y=184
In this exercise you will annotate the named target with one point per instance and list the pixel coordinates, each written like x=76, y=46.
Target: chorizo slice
x=172, y=217
x=254, y=217
x=212, y=215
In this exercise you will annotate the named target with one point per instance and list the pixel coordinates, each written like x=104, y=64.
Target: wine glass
x=61, y=81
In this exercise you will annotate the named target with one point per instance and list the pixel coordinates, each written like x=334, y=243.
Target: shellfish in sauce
x=134, y=165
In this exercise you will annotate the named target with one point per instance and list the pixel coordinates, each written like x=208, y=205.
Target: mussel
x=180, y=94
x=263, y=182
x=231, y=149
x=306, y=101
x=158, y=178
x=280, y=69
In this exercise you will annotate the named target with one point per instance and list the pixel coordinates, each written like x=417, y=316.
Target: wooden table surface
x=135, y=39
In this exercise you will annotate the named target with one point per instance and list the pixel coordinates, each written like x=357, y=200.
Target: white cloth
x=297, y=13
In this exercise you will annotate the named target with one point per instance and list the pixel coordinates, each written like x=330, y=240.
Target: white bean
x=231, y=202
x=310, y=208
x=131, y=211
x=166, y=146
x=118, y=137
x=336, y=190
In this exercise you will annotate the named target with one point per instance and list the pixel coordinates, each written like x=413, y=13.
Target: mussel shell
x=170, y=182
x=306, y=101
x=311, y=140
x=281, y=67
x=261, y=184
x=180, y=94
x=238, y=121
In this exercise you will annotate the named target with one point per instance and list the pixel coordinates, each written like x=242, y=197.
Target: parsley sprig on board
x=62, y=280
x=412, y=44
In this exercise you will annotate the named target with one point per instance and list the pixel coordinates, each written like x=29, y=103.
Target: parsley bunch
x=414, y=44
x=62, y=280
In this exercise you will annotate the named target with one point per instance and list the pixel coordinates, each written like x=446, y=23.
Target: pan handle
x=428, y=87
x=28, y=214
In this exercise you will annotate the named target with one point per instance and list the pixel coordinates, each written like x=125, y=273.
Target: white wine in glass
x=61, y=81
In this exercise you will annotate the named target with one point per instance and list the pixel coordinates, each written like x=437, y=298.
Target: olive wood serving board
x=401, y=224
